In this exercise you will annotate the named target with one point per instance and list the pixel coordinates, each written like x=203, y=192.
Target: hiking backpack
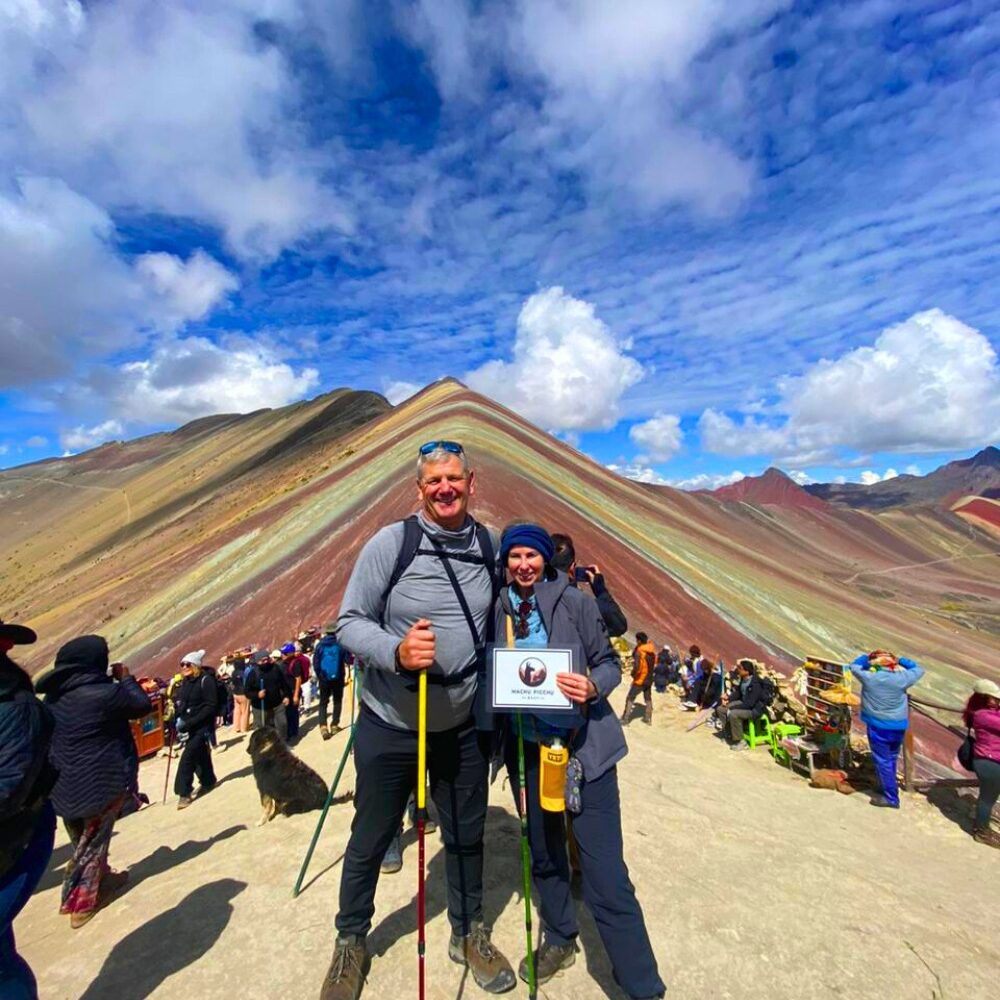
x=413, y=538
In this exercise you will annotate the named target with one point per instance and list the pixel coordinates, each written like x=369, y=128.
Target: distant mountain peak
x=772, y=487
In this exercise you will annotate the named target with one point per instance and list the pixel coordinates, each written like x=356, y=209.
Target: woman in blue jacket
x=886, y=711
x=544, y=610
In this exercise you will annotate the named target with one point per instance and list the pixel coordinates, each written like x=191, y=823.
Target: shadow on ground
x=169, y=942
x=953, y=806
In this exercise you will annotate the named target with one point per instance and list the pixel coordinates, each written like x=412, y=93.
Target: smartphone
x=580, y=574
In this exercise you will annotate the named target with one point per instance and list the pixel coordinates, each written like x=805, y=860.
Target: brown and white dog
x=285, y=784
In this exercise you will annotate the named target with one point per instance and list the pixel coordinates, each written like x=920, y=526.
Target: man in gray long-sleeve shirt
x=420, y=624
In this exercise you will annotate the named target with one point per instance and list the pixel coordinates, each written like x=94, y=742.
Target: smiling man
x=419, y=598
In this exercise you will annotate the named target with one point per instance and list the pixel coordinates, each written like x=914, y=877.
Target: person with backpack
x=197, y=707
x=328, y=656
x=752, y=696
x=643, y=659
x=419, y=598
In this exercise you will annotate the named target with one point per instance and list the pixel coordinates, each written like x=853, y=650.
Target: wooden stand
x=818, y=740
x=147, y=732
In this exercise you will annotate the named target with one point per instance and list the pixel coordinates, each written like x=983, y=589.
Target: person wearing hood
x=197, y=706
x=540, y=609
x=885, y=709
x=27, y=819
x=95, y=755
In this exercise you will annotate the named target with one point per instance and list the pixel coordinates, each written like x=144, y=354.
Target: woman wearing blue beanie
x=542, y=610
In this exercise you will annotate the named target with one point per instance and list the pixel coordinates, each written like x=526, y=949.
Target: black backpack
x=770, y=689
x=413, y=538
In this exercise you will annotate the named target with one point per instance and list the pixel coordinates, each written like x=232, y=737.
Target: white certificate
x=524, y=680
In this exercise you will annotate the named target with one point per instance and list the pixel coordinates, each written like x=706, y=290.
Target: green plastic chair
x=758, y=732
x=779, y=732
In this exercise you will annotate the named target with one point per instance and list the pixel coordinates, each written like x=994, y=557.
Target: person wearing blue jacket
x=328, y=662
x=885, y=710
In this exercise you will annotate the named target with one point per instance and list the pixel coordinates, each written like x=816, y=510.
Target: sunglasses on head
x=453, y=446
x=521, y=628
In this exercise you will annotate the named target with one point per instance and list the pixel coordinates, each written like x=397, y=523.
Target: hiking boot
x=334, y=729
x=393, y=860
x=738, y=747
x=986, y=835
x=325, y=733
x=184, y=801
x=77, y=920
x=550, y=960
x=491, y=971
x=345, y=979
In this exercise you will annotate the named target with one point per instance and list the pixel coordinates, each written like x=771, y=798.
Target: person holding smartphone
x=564, y=561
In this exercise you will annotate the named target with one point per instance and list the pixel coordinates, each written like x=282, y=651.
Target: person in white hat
x=197, y=705
x=982, y=716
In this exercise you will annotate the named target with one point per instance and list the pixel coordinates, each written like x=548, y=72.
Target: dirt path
x=753, y=884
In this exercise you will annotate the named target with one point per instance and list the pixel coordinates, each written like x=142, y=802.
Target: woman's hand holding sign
x=576, y=687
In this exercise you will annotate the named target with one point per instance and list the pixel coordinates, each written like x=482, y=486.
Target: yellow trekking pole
x=421, y=823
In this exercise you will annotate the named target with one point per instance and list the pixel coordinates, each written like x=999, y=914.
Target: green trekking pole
x=329, y=798
x=525, y=859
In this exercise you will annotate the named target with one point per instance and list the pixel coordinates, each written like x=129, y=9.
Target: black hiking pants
x=196, y=759
x=607, y=889
x=334, y=687
x=385, y=759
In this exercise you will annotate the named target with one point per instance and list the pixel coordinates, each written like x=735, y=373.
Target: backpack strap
x=413, y=535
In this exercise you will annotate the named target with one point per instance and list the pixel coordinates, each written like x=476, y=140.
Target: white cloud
x=189, y=290
x=81, y=438
x=639, y=473
x=569, y=370
x=193, y=377
x=869, y=478
x=800, y=477
x=708, y=481
x=660, y=438
x=913, y=470
x=36, y=441
x=184, y=109
x=931, y=383
x=399, y=391
x=68, y=294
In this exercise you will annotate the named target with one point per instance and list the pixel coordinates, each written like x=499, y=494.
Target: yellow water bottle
x=552, y=761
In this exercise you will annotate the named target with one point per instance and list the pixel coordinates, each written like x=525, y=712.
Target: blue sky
x=692, y=239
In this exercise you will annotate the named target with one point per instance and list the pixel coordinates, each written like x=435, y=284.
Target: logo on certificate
x=525, y=680
x=532, y=672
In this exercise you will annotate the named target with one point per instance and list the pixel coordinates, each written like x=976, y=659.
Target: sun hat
x=16, y=635
x=986, y=686
x=330, y=628
x=275, y=654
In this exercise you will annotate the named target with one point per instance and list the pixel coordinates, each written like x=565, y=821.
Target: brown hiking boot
x=184, y=801
x=345, y=979
x=491, y=971
x=325, y=733
x=986, y=835
x=550, y=959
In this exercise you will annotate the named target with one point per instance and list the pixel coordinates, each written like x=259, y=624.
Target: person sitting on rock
x=748, y=701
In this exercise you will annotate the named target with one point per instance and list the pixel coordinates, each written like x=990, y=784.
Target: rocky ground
x=753, y=884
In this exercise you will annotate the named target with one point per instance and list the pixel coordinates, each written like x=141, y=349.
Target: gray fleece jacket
x=423, y=591
x=573, y=621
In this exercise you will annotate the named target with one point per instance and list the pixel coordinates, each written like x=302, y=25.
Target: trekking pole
x=170, y=757
x=525, y=859
x=421, y=825
x=326, y=809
